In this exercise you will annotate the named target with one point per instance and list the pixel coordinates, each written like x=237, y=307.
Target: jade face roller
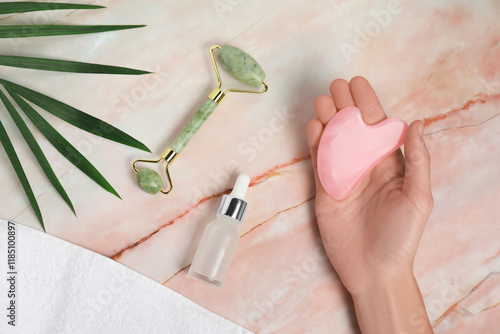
x=241, y=66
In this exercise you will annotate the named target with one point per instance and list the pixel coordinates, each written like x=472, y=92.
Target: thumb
x=417, y=181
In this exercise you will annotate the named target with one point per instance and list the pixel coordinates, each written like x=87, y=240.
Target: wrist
x=391, y=303
x=386, y=286
x=378, y=279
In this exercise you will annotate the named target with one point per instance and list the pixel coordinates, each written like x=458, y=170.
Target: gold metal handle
x=217, y=94
x=169, y=156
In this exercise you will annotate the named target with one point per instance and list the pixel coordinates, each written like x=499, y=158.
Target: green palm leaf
x=16, y=31
x=14, y=160
x=76, y=117
x=23, y=7
x=35, y=148
x=61, y=144
x=65, y=66
x=65, y=112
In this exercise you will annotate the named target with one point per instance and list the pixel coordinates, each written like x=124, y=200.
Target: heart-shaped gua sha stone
x=349, y=149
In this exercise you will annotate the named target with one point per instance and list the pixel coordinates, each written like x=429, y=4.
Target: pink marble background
x=436, y=61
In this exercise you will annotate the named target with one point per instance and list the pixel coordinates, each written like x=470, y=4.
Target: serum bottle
x=218, y=243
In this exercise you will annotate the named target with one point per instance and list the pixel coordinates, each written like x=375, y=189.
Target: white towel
x=63, y=288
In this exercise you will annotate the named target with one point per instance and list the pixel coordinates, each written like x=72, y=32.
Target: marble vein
x=256, y=22
x=254, y=181
x=253, y=228
x=465, y=311
x=479, y=98
x=276, y=214
x=463, y=126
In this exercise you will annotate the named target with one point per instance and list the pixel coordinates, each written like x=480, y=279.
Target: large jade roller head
x=241, y=66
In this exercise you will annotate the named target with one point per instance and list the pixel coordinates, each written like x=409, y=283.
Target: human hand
x=371, y=236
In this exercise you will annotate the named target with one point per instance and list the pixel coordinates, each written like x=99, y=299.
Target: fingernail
x=421, y=129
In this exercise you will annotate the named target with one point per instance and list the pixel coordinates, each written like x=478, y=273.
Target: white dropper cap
x=240, y=186
x=234, y=205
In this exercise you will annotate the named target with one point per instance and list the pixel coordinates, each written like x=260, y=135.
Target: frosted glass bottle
x=221, y=236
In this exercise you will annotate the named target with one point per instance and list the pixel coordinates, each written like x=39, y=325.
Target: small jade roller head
x=242, y=67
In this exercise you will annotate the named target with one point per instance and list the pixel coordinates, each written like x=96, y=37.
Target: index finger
x=366, y=100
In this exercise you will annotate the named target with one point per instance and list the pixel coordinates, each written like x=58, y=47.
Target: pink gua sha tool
x=349, y=148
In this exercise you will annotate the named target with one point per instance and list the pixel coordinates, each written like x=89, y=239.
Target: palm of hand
x=377, y=228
